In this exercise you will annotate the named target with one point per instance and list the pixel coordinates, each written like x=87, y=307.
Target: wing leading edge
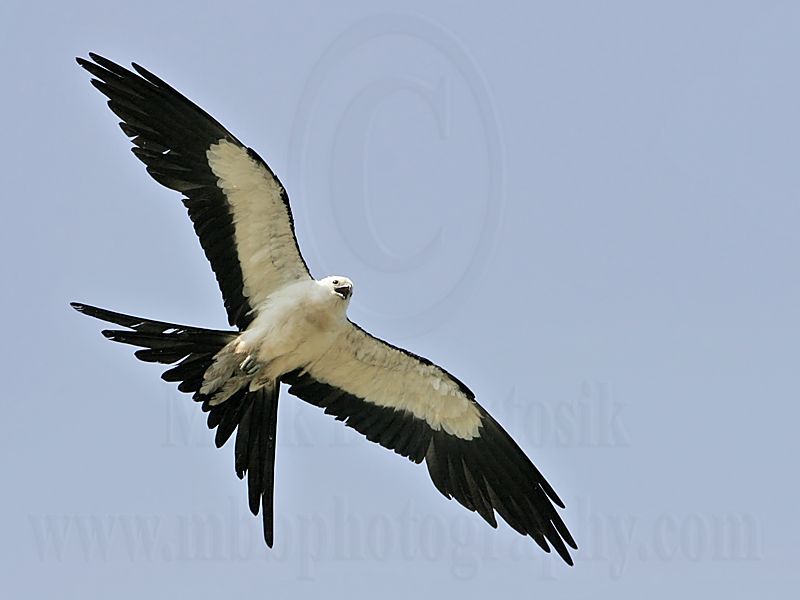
x=411, y=406
x=239, y=209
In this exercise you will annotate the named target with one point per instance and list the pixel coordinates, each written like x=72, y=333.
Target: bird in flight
x=293, y=329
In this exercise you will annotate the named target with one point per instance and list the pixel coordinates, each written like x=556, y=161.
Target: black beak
x=344, y=291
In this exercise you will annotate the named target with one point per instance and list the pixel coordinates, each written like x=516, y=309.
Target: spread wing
x=409, y=405
x=238, y=206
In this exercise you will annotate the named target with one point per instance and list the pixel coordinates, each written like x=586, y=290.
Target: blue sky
x=586, y=211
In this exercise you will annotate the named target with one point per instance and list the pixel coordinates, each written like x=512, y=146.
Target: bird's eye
x=335, y=282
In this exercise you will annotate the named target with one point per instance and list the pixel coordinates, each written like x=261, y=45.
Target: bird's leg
x=249, y=365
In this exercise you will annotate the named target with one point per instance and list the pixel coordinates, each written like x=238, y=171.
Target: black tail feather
x=257, y=415
x=252, y=414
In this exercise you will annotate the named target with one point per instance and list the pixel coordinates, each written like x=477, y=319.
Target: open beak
x=344, y=291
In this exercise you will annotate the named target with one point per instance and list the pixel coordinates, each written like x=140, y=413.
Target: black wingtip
x=561, y=550
x=87, y=63
x=567, y=536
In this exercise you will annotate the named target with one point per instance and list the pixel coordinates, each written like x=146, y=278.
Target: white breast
x=293, y=328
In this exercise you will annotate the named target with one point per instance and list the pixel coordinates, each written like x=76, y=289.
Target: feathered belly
x=288, y=340
x=292, y=330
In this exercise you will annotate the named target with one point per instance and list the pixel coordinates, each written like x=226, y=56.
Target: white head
x=339, y=286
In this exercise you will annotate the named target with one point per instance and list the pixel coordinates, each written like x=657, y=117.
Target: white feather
x=265, y=243
x=385, y=376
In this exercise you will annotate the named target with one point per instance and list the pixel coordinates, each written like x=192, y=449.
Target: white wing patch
x=385, y=376
x=264, y=240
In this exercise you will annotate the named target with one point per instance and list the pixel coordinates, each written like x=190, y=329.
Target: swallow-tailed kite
x=293, y=329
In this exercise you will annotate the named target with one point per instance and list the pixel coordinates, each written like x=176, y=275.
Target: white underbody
x=293, y=328
x=301, y=323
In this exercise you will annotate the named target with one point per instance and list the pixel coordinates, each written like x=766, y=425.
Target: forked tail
x=252, y=414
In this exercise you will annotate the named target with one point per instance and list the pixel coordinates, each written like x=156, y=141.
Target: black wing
x=239, y=209
x=409, y=405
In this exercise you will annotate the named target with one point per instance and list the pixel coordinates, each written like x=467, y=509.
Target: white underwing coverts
x=291, y=328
